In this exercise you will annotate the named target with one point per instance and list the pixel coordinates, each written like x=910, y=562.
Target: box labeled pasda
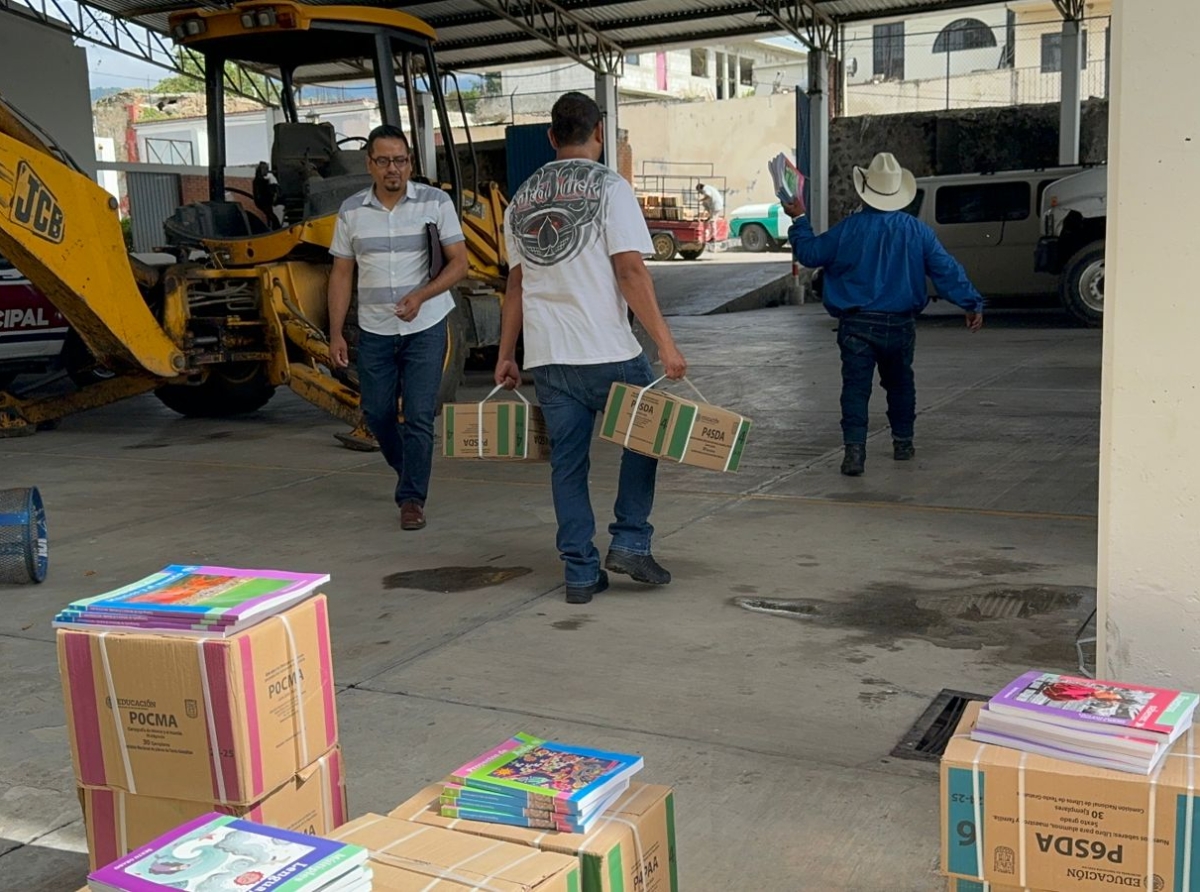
x=216, y=720
x=631, y=849
x=667, y=426
x=510, y=430
x=408, y=857
x=312, y=802
x=1016, y=819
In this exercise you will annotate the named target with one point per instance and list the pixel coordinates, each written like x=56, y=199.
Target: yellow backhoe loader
x=238, y=307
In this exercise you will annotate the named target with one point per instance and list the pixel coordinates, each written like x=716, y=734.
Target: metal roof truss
x=86, y=22
x=566, y=32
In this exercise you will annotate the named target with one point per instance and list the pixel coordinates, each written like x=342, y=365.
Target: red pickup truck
x=34, y=336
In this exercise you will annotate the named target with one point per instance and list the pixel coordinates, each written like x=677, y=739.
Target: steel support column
x=1072, y=62
x=818, y=139
x=1069, y=118
x=606, y=98
x=428, y=135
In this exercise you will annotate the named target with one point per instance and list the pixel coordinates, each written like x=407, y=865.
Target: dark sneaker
x=582, y=594
x=903, y=450
x=641, y=567
x=856, y=458
x=412, y=516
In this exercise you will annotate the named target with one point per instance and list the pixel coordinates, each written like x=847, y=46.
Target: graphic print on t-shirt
x=558, y=211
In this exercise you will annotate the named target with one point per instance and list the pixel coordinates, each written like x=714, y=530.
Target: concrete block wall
x=957, y=141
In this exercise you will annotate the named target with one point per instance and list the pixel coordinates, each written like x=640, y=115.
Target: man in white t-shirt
x=711, y=201
x=576, y=238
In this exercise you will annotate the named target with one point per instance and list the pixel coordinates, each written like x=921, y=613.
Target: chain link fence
x=967, y=64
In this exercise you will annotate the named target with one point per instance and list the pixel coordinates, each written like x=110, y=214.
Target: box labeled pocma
x=667, y=426
x=515, y=431
x=409, y=857
x=216, y=720
x=631, y=849
x=312, y=802
x=1021, y=820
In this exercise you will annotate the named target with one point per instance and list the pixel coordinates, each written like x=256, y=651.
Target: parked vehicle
x=1074, y=224
x=34, y=336
x=688, y=238
x=761, y=227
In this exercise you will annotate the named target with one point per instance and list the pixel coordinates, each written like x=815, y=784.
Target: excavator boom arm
x=62, y=231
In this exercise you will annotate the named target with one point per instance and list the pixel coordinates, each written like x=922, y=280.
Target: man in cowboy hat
x=875, y=263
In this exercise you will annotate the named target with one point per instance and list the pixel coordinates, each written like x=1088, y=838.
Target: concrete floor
x=774, y=727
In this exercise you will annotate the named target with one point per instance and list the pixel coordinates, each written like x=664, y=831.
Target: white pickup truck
x=1074, y=216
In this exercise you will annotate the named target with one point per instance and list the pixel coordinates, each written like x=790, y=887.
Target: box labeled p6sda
x=667, y=426
x=511, y=430
x=1016, y=819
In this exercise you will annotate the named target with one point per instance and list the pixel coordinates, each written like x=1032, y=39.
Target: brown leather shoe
x=412, y=516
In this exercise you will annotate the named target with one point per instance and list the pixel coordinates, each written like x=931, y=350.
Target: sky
x=108, y=68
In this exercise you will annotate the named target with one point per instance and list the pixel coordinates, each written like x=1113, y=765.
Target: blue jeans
x=571, y=396
x=408, y=367
x=887, y=340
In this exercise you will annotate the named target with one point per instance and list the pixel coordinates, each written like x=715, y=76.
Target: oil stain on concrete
x=453, y=579
x=1033, y=624
x=573, y=624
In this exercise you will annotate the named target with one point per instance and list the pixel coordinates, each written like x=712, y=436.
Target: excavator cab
x=312, y=168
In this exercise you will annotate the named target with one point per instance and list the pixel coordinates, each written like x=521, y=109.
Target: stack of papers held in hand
x=786, y=178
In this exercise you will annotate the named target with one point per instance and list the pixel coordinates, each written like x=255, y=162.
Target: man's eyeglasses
x=390, y=162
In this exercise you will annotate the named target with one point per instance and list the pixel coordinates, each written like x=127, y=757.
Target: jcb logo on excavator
x=34, y=206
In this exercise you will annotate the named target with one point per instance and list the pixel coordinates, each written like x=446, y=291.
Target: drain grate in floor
x=927, y=739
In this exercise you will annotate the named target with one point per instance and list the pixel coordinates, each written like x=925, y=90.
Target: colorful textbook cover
x=460, y=796
x=786, y=178
x=543, y=769
x=1102, y=706
x=220, y=853
x=193, y=599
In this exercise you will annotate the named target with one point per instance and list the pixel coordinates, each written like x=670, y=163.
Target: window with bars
x=1052, y=52
x=888, y=46
x=964, y=34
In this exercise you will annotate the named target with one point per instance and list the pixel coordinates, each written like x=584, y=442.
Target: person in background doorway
x=401, y=310
x=874, y=266
x=576, y=238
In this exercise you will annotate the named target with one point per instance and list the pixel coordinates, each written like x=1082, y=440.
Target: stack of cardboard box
x=165, y=728
x=1014, y=821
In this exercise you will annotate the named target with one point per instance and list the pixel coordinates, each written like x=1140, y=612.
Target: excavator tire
x=232, y=390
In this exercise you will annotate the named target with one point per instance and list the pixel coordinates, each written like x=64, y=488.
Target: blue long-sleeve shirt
x=877, y=261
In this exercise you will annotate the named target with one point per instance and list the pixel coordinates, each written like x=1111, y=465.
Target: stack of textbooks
x=211, y=602
x=218, y=852
x=530, y=782
x=786, y=178
x=1124, y=727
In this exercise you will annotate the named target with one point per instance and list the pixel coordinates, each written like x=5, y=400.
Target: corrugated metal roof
x=472, y=37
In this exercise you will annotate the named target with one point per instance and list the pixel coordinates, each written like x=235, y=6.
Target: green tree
x=190, y=76
x=470, y=99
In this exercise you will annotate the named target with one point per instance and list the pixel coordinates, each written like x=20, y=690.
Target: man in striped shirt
x=401, y=311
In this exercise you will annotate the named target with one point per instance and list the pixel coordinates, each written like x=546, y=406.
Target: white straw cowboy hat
x=885, y=185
